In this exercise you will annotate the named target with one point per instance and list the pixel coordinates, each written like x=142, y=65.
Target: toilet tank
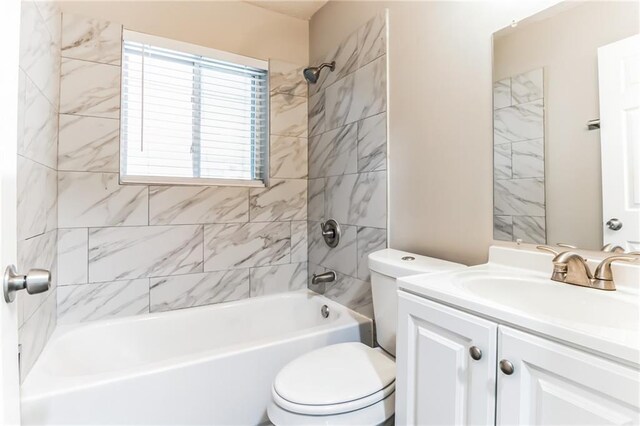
x=386, y=267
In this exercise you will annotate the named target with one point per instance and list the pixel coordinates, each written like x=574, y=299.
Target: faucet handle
x=604, y=272
x=610, y=248
x=565, y=245
x=549, y=249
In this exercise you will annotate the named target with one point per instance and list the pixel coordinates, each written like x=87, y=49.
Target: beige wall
x=565, y=45
x=440, y=109
x=232, y=26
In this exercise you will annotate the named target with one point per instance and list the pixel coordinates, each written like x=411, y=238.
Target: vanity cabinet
x=555, y=384
x=539, y=381
x=438, y=381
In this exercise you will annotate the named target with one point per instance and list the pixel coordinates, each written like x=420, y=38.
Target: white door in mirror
x=619, y=82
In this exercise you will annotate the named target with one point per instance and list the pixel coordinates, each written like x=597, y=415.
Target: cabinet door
x=438, y=382
x=553, y=384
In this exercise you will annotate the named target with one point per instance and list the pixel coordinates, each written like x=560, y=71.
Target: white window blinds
x=191, y=115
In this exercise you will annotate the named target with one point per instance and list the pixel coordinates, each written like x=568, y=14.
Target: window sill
x=178, y=181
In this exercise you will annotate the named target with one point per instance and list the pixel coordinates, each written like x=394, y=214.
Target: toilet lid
x=337, y=374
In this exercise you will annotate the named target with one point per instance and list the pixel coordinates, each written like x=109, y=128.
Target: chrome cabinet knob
x=614, y=224
x=475, y=353
x=506, y=367
x=36, y=281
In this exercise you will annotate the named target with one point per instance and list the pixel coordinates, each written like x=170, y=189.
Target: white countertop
x=514, y=288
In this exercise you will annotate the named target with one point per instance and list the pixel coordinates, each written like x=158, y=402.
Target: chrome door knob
x=36, y=281
x=506, y=367
x=614, y=224
x=475, y=353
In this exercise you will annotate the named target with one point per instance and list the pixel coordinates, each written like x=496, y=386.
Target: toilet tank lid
x=390, y=262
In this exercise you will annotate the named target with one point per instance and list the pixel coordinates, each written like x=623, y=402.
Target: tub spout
x=327, y=277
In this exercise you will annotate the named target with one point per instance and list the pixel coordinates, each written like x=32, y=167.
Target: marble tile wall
x=131, y=249
x=348, y=162
x=518, y=158
x=39, y=93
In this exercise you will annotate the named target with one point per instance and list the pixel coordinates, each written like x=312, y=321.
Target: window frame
x=220, y=55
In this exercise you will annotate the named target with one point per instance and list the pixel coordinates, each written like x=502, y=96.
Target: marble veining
x=145, y=251
x=288, y=115
x=235, y=246
x=317, y=113
x=315, y=207
x=37, y=203
x=288, y=157
x=91, y=39
x=502, y=161
x=39, y=140
x=287, y=78
x=343, y=258
x=372, y=39
x=519, y=193
x=527, y=87
x=529, y=229
x=40, y=47
x=298, y=241
x=88, y=144
x=185, y=291
x=528, y=159
x=345, y=56
x=353, y=293
x=335, y=152
x=175, y=205
x=519, y=197
x=369, y=240
x=358, y=199
x=359, y=95
x=278, y=279
x=503, y=228
x=372, y=143
x=37, y=252
x=519, y=122
x=502, y=93
x=97, y=199
x=283, y=199
x=89, y=88
x=35, y=332
x=73, y=252
x=89, y=302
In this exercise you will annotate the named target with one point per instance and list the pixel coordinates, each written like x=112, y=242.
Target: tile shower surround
x=519, y=198
x=38, y=88
x=347, y=162
x=131, y=249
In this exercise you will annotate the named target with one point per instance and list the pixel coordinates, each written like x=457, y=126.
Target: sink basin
x=514, y=288
x=580, y=306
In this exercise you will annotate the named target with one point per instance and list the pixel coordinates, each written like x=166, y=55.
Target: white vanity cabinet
x=439, y=381
x=554, y=384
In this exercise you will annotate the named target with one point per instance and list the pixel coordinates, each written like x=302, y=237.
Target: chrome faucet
x=571, y=268
x=327, y=277
x=321, y=280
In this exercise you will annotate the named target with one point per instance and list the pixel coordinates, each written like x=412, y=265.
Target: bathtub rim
x=41, y=383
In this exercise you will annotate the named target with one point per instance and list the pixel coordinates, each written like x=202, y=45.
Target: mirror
x=560, y=175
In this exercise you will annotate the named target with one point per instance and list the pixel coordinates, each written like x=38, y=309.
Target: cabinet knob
x=506, y=367
x=475, y=352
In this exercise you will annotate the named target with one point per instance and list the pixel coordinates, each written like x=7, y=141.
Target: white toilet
x=352, y=383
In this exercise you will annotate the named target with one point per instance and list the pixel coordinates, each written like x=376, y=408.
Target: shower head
x=311, y=74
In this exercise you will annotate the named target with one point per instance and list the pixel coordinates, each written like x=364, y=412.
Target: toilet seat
x=334, y=381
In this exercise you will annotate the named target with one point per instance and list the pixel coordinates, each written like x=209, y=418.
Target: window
x=191, y=115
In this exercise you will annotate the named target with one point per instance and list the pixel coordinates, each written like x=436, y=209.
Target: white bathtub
x=210, y=365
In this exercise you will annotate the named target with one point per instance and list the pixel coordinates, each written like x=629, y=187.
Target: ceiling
x=301, y=9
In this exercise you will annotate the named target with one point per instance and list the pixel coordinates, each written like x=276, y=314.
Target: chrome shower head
x=312, y=74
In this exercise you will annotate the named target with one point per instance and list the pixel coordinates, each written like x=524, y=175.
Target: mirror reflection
x=566, y=93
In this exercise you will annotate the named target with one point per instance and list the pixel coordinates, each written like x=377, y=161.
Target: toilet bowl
x=352, y=383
